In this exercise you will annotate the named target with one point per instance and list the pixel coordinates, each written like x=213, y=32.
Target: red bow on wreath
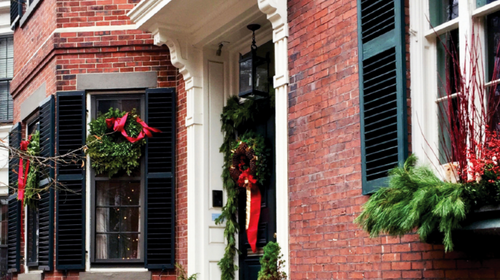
x=246, y=180
x=118, y=125
x=22, y=175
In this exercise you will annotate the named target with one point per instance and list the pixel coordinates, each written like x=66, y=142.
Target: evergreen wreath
x=109, y=150
x=253, y=147
x=236, y=118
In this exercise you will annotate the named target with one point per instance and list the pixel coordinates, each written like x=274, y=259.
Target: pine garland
x=32, y=188
x=235, y=118
x=416, y=198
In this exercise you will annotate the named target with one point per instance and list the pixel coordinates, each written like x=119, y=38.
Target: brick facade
x=54, y=57
x=325, y=163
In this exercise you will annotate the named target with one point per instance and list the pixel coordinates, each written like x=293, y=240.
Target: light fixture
x=254, y=70
x=219, y=50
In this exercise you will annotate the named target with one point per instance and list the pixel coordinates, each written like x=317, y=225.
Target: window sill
x=31, y=9
x=30, y=276
x=122, y=274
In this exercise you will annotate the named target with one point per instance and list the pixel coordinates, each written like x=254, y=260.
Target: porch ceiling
x=204, y=23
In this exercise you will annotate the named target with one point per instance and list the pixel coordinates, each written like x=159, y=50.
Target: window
x=123, y=207
x=451, y=24
x=6, y=74
x=32, y=211
x=118, y=200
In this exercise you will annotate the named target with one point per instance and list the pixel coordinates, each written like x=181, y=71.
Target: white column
x=195, y=175
x=276, y=12
x=190, y=64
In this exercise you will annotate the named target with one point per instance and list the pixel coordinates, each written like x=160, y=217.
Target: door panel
x=249, y=261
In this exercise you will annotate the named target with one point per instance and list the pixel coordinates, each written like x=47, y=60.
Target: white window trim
x=423, y=67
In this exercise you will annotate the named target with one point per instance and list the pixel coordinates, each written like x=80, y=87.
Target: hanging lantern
x=254, y=70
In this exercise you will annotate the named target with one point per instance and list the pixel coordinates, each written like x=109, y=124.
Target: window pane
x=493, y=40
x=33, y=231
x=108, y=219
x=3, y=221
x=104, y=105
x=129, y=246
x=107, y=246
x=442, y=11
x=116, y=193
x=123, y=246
x=448, y=79
x=5, y=102
x=129, y=104
x=447, y=67
x=118, y=219
x=480, y=3
x=130, y=219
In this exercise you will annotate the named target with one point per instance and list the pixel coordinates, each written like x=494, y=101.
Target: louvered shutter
x=382, y=74
x=70, y=220
x=46, y=203
x=160, y=180
x=14, y=208
x=16, y=11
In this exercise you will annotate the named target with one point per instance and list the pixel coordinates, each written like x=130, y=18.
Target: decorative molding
x=141, y=11
x=276, y=13
x=95, y=28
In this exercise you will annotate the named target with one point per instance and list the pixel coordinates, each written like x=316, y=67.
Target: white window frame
x=423, y=67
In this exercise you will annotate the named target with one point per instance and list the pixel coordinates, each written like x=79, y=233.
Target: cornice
x=146, y=7
x=276, y=13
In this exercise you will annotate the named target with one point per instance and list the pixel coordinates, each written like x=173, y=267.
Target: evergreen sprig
x=415, y=198
x=109, y=151
x=31, y=188
x=272, y=263
x=236, y=119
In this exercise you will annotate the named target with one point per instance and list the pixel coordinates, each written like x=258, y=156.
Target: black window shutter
x=16, y=11
x=46, y=203
x=14, y=208
x=71, y=119
x=382, y=75
x=160, y=180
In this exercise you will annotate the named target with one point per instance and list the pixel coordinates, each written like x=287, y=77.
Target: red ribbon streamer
x=246, y=180
x=118, y=125
x=22, y=175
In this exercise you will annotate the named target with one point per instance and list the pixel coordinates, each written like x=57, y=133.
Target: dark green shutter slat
x=14, y=208
x=382, y=75
x=46, y=203
x=14, y=234
x=70, y=229
x=16, y=11
x=160, y=180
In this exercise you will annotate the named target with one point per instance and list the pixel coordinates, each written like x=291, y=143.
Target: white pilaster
x=189, y=62
x=276, y=11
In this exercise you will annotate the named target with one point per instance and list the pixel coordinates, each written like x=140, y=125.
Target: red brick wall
x=81, y=13
x=181, y=175
x=55, y=58
x=34, y=33
x=325, y=163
